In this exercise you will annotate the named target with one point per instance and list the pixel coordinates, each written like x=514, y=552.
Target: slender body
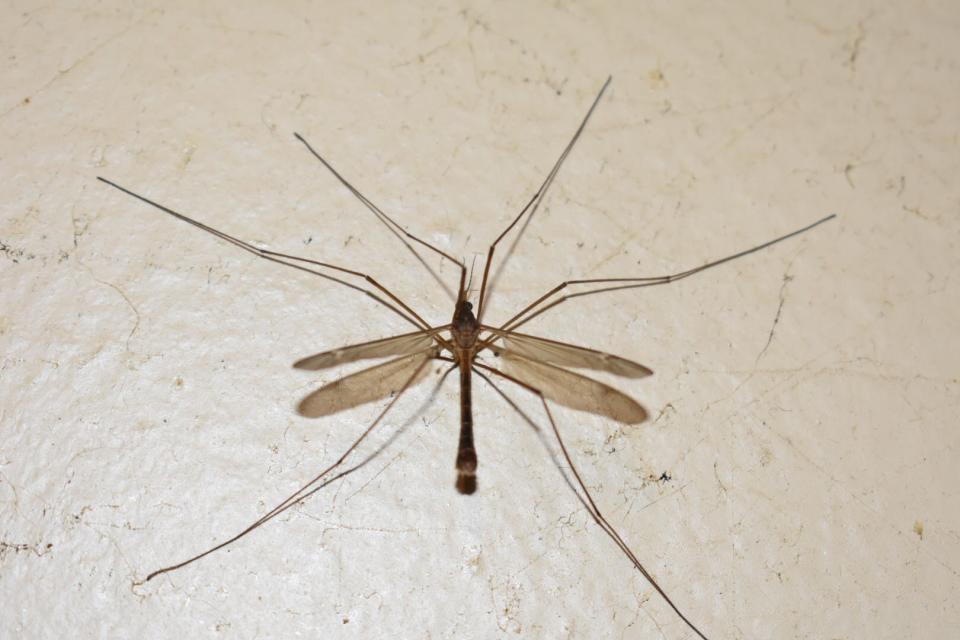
x=465, y=330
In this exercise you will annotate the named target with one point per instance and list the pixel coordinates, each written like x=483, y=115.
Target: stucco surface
x=798, y=475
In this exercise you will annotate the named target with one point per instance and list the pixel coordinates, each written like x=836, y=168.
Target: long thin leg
x=536, y=199
x=528, y=313
x=308, y=489
x=389, y=222
x=536, y=428
x=587, y=499
x=282, y=258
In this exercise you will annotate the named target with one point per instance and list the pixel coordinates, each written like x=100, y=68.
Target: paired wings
x=536, y=362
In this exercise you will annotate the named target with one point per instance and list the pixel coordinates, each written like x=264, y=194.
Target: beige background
x=804, y=401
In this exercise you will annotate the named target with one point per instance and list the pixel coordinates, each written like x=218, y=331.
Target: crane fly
x=537, y=365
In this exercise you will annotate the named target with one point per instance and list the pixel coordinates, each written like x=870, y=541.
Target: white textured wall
x=805, y=398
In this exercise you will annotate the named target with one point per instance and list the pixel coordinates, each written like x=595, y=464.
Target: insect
x=538, y=365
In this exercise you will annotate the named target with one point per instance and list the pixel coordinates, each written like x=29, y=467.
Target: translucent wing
x=401, y=345
x=573, y=390
x=373, y=383
x=566, y=355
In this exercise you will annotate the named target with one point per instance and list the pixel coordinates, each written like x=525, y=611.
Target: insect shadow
x=538, y=365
